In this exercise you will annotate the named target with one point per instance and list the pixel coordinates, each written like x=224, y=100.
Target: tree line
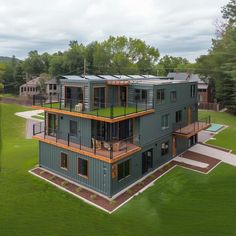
x=122, y=55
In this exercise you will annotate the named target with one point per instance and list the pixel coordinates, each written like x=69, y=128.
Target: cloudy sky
x=179, y=28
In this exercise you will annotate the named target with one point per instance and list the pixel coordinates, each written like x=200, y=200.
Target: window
x=64, y=160
x=99, y=97
x=193, y=90
x=54, y=86
x=164, y=148
x=50, y=86
x=173, y=96
x=123, y=169
x=160, y=96
x=178, y=116
x=83, y=167
x=73, y=128
x=165, y=121
x=140, y=95
x=147, y=161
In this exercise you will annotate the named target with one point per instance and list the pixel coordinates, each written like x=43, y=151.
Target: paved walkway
x=30, y=121
x=29, y=114
x=226, y=157
x=191, y=162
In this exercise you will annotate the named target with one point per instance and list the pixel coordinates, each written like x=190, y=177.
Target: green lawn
x=7, y=95
x=183, y=203
x=117, y=111
x=226, y=138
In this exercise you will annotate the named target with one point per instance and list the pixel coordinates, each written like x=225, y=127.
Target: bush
x=78, y=189
x=112, y=202
x=93, y=196
x=52, y=177
x=129, y=191
x=64, y=183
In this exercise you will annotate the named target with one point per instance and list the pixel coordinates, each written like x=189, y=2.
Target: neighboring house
x=52, y=87
x=107, y=132
x=30, y=88
x=205, y=93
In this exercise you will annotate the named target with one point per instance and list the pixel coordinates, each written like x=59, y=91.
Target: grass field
x=226, y=138
x=182, y=203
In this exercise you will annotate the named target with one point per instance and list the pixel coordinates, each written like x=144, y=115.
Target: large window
x=83, y=167
x=140, y=95
x=73, y=128
x=164, y=148
x=160, y=96
x=165, y=121
x=193, y=90
x=64, y=160
x=173, y=96
x=99, y=97
x=123, y=169
x=178, y=116
x=147, y=161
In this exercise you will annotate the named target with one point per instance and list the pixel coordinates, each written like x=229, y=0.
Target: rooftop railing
x=107, y=110
x=109, y=149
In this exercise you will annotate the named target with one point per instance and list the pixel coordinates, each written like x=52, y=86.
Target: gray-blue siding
x=99, y=172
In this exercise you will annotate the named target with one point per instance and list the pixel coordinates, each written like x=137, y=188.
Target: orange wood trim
x=89, y=154
x=98, y=118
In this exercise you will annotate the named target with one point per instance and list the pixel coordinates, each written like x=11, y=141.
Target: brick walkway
x=110, y=206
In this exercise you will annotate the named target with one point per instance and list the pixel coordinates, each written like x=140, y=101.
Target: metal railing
x=109, y=149
x=195, y=126
x=108, y=110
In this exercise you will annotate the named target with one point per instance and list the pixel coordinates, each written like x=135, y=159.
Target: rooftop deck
x=107, y=112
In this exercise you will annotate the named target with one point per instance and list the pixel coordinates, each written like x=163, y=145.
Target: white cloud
x=182, y=28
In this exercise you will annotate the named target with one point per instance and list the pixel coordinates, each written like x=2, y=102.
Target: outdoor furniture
x=79, y=107
x=96, y=143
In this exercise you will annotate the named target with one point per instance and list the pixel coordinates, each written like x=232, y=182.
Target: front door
x=147, y=161
x=123, y=96
x=52, y=120
x=190, y=115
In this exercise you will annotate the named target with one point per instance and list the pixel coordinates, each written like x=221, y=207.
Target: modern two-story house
x=106, y=132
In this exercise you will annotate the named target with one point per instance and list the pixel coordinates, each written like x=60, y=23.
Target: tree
x=169, y=64
x=34, y=64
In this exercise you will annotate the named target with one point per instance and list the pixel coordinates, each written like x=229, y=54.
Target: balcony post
x=33, y=100
x=146, y=103
x=79, y=140
x=50, y=100
x=111, y=151
x=68, y=139
x=136, y=106
x=111, y=112
x=59, y=99
x=126, y=147
x=33, y=129
x=70, y=105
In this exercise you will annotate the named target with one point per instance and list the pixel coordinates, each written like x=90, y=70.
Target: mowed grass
x=182, y=203
x=117, y=111
x=227, y=137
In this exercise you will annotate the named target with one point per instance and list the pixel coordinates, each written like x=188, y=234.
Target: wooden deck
x=191, y=129
x=100, y=154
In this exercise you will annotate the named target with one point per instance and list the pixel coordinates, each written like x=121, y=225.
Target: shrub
x=93, y=196
x=42, y=172
x=52, y=177
x=141, y=183
x=129, y=191
x=153, y=176
x=64, y=183
x=78, y=189
x=112, y=202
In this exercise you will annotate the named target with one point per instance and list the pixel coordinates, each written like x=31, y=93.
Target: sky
x=178, y=28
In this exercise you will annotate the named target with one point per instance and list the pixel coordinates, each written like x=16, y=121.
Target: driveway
x=225, y=157
x=30, y=121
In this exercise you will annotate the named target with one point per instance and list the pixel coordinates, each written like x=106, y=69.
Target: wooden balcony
x=109, y=152
x=188, y=131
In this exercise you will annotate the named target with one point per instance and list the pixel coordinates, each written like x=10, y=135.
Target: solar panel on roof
x=92, y=77
x=108, y=77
